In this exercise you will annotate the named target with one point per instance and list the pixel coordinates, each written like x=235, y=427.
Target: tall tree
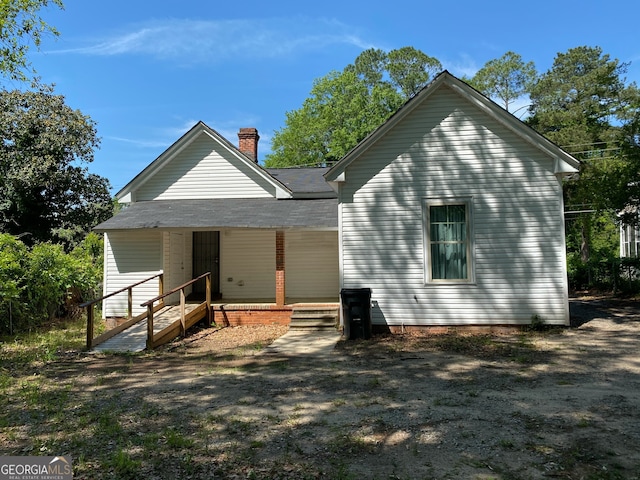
x=344, y=107
x=20, y=28
x=46, y=191
x=505, y=79
x=410, y=70
x=579, y=100
x=584, y=104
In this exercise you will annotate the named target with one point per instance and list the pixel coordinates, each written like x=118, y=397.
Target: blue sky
x=146, y=72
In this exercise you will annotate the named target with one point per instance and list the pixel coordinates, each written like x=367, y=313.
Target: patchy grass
x=30, y=349
x=391, y=407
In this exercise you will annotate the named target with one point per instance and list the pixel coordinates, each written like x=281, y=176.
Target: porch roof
x=267, y=213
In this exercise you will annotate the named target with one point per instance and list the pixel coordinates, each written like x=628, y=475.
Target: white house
x=452, y=213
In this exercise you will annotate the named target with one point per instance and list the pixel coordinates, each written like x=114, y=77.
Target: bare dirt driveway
x=562, y=403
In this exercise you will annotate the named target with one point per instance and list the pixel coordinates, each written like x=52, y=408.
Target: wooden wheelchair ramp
x=159, y=325
x=166, y=327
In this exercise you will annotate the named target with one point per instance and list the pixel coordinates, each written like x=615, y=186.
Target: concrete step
x=312, y=315
x=314, y=318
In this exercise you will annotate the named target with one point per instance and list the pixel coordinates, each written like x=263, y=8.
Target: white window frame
x=630, y=241
x=426, y=224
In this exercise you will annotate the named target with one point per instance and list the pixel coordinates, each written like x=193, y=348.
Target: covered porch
x=256, y=269
x=264, y=255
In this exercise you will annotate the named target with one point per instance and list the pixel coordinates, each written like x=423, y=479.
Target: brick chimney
x=248, y=142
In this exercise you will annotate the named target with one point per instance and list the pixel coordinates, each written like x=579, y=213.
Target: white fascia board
x=335, y=185
x=126, y=198
x=561, y=167
x=566, y=165
x=282, y=194
x=164, y=158
x=339, y=168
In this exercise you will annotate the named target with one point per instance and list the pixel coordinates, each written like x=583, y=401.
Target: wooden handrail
x=149, y=305
x=184, y=285
x=150, y=311
x=86, y=304
x=90, y=305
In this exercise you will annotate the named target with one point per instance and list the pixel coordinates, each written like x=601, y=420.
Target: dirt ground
x=560, y=403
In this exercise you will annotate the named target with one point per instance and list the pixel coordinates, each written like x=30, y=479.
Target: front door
x=206, y=258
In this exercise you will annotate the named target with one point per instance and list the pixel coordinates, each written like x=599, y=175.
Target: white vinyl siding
x=129, y=258
x=449, y=148
x=311, y=265
x=204, y=170
x=248, y=264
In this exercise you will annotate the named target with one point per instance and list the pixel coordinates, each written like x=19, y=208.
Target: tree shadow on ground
x=385, y=408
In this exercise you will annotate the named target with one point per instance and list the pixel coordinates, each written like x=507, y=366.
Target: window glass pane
x=437, y=232
x=439, y=214
x=456, y=213
x=448, y=242
x=448, y=261
x=460, y=232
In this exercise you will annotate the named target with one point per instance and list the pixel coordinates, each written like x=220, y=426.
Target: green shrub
x=89, y=255
x=13, y=254
x=38, y=285
x=49, y=277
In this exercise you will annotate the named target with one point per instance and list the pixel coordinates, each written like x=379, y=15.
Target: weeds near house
x=44, y=344
x=538, y=323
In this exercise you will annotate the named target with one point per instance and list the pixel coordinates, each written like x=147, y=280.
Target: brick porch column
x=280, y=277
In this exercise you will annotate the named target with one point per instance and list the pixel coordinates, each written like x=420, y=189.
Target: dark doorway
x=206, y=258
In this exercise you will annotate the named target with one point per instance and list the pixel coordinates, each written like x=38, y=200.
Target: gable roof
x=564, y=163
x=183, y=142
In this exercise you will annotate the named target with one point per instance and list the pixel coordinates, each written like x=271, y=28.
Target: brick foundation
x=236, y=316
x=440, y=330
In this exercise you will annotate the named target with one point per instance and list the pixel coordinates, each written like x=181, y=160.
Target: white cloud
x=187, y=40
x=165, y=136
x=140, y=143
x=461, y=67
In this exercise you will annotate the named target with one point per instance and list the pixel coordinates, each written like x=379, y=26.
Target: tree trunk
x=585, y=244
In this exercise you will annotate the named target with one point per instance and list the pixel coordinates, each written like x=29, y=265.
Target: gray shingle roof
x=226, y=213
x=304, y=181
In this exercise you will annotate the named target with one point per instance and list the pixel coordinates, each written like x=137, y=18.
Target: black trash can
x=356, y=312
